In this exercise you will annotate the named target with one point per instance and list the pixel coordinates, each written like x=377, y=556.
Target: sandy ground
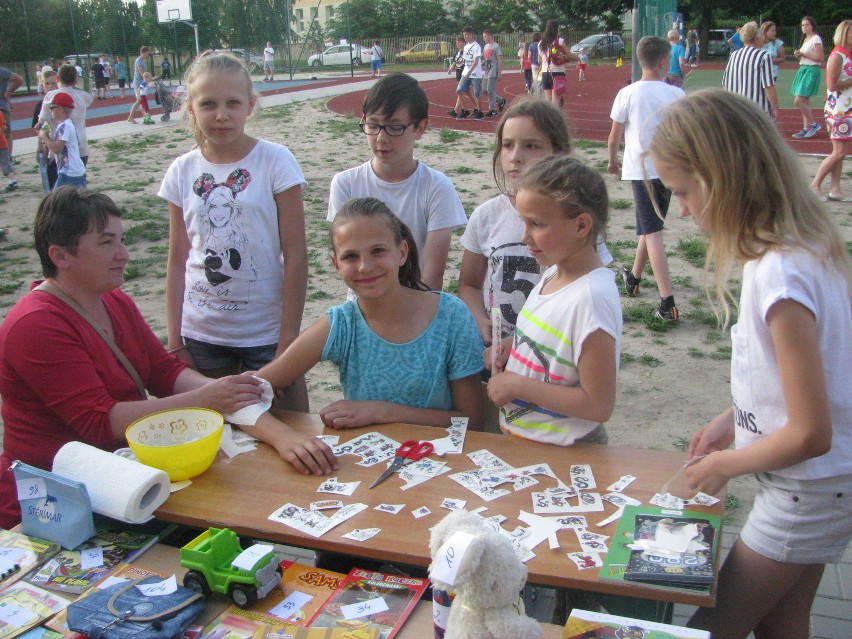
x=670, y=383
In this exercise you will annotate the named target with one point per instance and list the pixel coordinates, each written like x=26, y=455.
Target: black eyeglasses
x=391, y=129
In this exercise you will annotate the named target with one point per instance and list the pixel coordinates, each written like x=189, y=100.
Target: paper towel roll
x=119, y=488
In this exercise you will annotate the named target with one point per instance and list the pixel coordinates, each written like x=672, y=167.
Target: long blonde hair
x=756, y=197
x=209, y=62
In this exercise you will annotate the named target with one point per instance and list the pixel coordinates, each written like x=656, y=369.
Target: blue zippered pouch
x=53, y=507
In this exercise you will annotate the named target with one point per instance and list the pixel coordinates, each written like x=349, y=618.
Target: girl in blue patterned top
x=405, y=354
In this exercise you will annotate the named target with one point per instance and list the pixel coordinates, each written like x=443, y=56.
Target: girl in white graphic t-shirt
x=237, y=267
x=791, y=419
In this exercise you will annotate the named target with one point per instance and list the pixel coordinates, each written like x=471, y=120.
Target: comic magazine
x=59, y=623
x=65, y=572
x=398, y=597
x=583, y=624
x=21, y=553
x=694, y=570
x=23, y=606
x=303, y=589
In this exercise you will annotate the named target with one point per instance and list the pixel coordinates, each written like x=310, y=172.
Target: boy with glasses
x=396, y=116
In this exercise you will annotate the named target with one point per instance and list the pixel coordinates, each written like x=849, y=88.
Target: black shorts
x=101, y=82
x=547, y=79
x=647, y=219
x=121, y=83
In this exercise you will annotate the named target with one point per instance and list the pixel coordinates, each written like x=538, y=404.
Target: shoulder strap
x=47, y=287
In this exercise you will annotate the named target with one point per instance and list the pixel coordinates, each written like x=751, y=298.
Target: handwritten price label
x=31, y=488
x=445, y=567
x=291, y=605
x=16, y=616
x=160, y=588
x=91, y=558
x=364, y=608
x=250, y=556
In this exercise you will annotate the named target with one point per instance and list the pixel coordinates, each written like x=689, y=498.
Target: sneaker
x=148, y=121
x=453, y=113
x=131, y=120
x=631, y=284
x=13, y=186
x=492, y=113
x=812, y=130
x=464, y=114
x=800, y=134
x=667, y=314
x=478, y=115
x=501, y=102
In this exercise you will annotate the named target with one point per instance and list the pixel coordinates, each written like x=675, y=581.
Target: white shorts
x=800, y=521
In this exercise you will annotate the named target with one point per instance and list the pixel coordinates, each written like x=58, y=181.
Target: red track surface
x=587, y=105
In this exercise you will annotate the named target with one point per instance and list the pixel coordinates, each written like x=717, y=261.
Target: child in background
x=237, y=266
x=396, y=114
x=526, y=66
x=677, y=61
x=457, y=66
x=5, y=159
x=558, y=386
x=791, y=420
x=405, y=354
x=142, y=100
x=62, y=142
x=497, y=269
x=636, y=111
x=581, y=65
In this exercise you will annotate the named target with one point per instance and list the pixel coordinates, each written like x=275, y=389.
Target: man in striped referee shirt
x=749, y=71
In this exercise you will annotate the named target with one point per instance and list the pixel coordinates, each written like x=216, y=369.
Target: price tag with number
x=160, y=588
x=364, y=608
x=91, y=558
x=445, y=567
x=250, y=556
x=32, y=488
x=16, y=616
x=291, y=605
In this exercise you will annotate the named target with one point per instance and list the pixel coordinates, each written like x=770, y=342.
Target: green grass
x=621, y=204
x=703, y=78
x=693, y=250
x=150, y=231
x=681, y=443
x=448, y=136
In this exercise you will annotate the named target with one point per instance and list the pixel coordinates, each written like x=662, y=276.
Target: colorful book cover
x=23, y=606
x=619, y=555
x=21, y=553
x=393, y=597
x=583, y=624
x=65, y=572
x=59, y=623
x=693, y=568
x=303, y=589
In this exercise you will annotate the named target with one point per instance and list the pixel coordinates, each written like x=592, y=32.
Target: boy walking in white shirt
x=636, y=111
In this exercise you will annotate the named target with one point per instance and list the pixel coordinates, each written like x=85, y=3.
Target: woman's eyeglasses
x=391, y=129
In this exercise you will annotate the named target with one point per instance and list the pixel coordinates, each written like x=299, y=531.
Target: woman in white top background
x=807, y=80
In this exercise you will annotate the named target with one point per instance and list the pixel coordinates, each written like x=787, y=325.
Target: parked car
x=426, y=52
x=601, y=45
x=717, y=42
x=253, y=62
x=339, y=54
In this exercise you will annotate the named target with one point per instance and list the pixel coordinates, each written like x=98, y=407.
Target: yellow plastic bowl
x=183, y=441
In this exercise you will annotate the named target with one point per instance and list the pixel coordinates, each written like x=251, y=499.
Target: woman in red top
x=59, y=380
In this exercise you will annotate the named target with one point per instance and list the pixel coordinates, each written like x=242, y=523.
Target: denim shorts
x=466, y=83
x=214, y=356
x=800, y=521
x=62, y=179
x=647, y=219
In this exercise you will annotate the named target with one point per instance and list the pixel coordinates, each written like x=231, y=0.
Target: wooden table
x=240, y=493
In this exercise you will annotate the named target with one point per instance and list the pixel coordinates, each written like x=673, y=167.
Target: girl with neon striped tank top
x=558, y=385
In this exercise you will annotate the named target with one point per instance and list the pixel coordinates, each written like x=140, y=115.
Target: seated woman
x=405, y=354
x=59, y=379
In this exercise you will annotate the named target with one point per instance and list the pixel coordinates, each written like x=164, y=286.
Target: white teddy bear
x=487, y=586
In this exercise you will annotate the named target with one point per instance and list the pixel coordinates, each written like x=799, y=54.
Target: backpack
x=557, y=54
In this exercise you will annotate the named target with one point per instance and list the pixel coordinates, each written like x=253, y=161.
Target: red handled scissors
x=408, y=452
